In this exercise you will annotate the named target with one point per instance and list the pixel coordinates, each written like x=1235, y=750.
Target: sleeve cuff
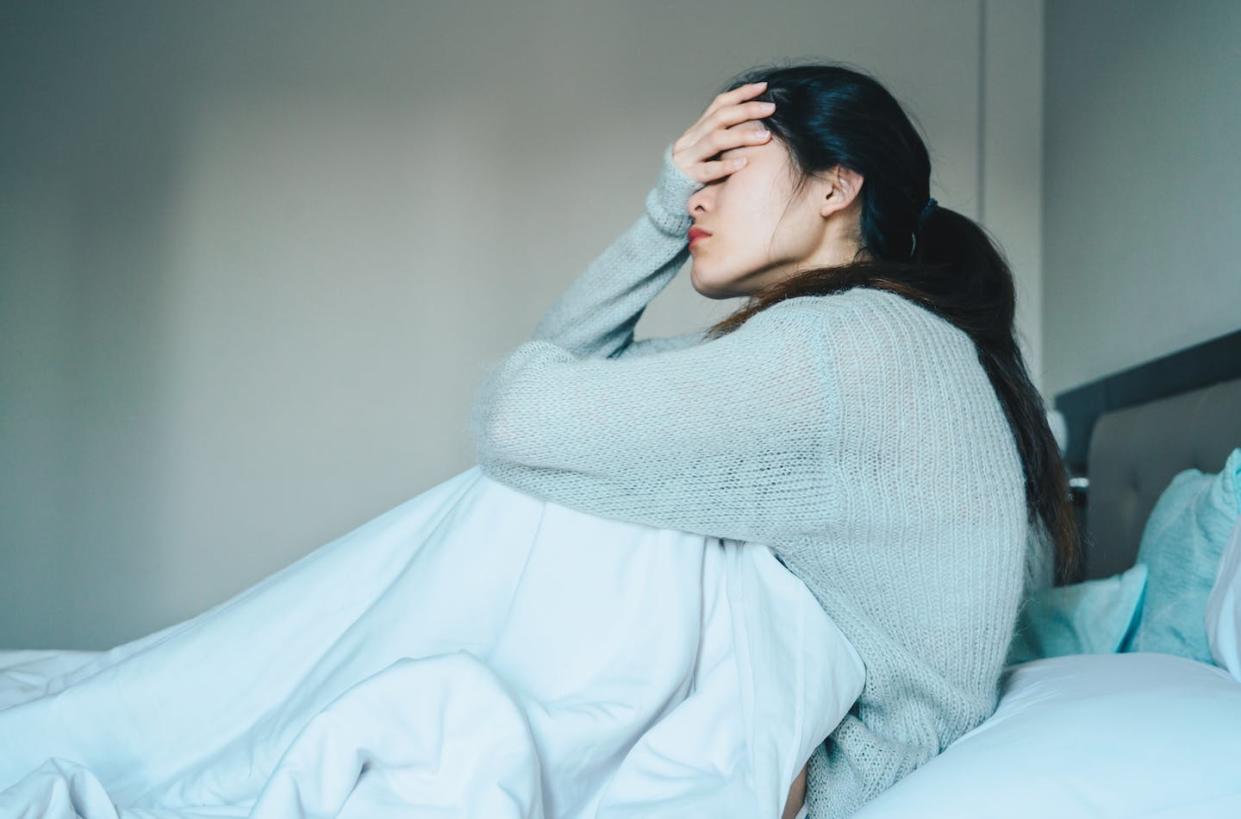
x=668, y=202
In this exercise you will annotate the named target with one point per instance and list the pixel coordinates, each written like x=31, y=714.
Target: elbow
x=487, y=433
x=510, y=418
x=496, y=432
x=482, y=419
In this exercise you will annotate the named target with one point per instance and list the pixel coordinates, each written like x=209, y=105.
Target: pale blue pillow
x=1182, y=543
x=1092, y=617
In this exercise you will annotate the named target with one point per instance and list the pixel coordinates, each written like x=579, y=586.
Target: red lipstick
x=697, y=233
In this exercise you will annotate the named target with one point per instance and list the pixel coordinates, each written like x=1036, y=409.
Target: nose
x=697, y=202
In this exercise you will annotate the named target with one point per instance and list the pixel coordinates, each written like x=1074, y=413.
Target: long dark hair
x=828, y=114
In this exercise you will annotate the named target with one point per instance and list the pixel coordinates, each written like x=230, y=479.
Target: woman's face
x=760, y=232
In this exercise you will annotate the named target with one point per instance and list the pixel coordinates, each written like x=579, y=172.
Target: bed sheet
x=1089, y=736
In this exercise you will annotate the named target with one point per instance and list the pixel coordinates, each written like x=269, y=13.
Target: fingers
x=716, y=131
x=741, y=92
x=746, y=133
x=727, y=115
x=728, y=108
x=721, y=138
x=712, y=169
x=706, y=169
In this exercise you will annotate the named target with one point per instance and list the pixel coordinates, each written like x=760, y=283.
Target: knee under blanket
x=473, y=651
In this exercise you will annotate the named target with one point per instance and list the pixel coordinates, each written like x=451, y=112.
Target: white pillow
x=1224, y=608
x=1089, y=735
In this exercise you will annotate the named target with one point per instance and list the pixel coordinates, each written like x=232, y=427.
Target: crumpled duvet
x=472, y=652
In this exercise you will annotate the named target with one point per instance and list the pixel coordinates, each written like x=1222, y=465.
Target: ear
x=841, y=187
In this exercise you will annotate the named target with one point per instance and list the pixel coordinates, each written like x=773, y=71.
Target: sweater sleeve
x=726, y=438
x=596, y=315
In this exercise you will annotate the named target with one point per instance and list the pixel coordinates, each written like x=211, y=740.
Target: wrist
x=668, y=202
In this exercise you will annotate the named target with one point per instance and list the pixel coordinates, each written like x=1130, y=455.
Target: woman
x=867, y=414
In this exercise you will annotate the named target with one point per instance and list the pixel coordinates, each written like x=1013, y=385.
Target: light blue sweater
x=856, y=434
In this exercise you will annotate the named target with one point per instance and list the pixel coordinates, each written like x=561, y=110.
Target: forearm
x=596, y=315
x=669, y=440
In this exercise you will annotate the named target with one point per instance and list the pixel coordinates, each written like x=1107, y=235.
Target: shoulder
x=860, y=303
x=859, y=335
x=881, y=343
x=864, y=319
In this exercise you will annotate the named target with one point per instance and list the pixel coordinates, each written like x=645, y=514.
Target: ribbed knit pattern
x=855, y=434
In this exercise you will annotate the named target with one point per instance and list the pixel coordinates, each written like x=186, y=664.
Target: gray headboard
x=1131, y=432
x=1135, y=452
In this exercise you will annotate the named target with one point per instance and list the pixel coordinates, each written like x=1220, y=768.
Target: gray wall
x=255, y=257
x=1142, y=161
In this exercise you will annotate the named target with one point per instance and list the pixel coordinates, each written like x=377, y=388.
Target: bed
x=1122, y=734
x=1074, y=737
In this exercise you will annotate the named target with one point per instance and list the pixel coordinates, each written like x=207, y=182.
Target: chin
x=706, y=288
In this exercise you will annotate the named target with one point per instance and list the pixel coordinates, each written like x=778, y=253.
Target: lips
x=697, y=233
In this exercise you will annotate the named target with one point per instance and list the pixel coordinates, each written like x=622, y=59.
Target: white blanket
x=472, y=652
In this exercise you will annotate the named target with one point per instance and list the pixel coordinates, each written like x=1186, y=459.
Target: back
x=920, y=558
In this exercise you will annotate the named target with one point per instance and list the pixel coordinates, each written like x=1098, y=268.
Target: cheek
x=749, y=213
x=747, y=240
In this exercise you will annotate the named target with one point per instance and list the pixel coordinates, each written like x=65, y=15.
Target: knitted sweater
x=854, y=434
